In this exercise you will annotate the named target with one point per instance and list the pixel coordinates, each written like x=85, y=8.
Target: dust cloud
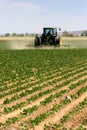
x=16, y=45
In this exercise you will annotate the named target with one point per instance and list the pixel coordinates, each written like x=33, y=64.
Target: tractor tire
x=37, y=42
x=40, y=40
x=58, y=42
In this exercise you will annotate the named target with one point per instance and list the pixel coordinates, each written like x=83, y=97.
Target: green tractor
x=49, y=37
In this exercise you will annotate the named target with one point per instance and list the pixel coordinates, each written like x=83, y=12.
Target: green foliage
x=34, y=74
x=82, y=127
x=13, y=108
x=11, y=120
x=74, y=111
x=52, y=97
x=84, y=122
x=28, y=111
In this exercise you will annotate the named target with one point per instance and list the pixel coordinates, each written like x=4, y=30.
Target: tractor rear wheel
x=58, y=42
x=37, y=41
x=40, y=40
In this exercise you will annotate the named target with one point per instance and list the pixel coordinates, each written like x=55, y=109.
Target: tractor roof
x=49, y=28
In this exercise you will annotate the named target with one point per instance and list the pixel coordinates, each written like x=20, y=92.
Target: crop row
x=19, y=105
x=17, y=89
x=68, y=116
x=55, y=109
x=74, y=111
x=25, y=69
x=48, y=99
x=32, y=84
x=41, y=117
x=53, y=97
x=22, y=94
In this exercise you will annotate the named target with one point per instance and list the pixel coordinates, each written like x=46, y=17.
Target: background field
x=75, y=42
x=28, y=42
x=16, y=43
x=43, y=89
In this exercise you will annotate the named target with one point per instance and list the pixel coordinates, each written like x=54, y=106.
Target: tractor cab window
x=48, y=32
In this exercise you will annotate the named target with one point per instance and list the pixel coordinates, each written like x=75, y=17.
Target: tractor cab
x=49, y=31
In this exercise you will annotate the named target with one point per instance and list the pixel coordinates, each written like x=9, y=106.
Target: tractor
x=49, y=37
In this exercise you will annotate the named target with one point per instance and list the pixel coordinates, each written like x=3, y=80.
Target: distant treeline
x=18, y=35
x=65, y=33
x=72, y=34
